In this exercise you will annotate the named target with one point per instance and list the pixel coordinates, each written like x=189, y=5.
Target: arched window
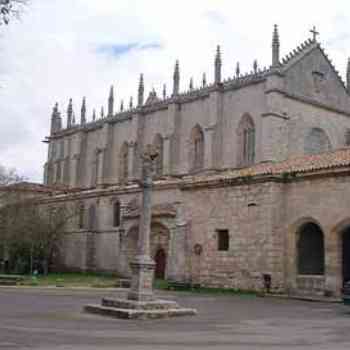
x=246, y=141
x=310, y=248
x=158, y=143
x=316, y=141
x=92, y=218
x=61, y=149
x=124, y=162
x=94, y=168
x=58, y=172
x=50, y=174
x=81, y=216
x=347, y=137
x=116, y=214
x=197, y=148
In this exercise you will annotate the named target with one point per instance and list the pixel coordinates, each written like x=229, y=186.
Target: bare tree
x=10, y=8
x=33, y=231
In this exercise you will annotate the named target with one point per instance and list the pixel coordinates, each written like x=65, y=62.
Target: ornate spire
x=255, y=66
x=238, y=70
x=275, y=47
x=348, y=76
x=164, y=91
x=122, y=105
x=141, y=92
x=191, y=84
x=176, y=78
x=83, y=112
x=218, y=64
x=94, y=115
x=56, y=120
x=102, y=112
x=111, y=102
x=69, y=113
x=73, y=119
x=131, y=104
x=204, y=80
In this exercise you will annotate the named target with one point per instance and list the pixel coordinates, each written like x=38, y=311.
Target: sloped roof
x=27, y=187
x=303, y=164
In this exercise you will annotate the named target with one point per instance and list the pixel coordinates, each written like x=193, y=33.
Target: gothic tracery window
x=197, y=148
x=124, y=162
x=316, y=141
x=92, y=218
x=116, y=214
x=81, y=216
x=246, y=141
x=158, y=143
x=347, y=137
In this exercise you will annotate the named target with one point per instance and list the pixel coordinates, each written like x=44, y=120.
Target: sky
x=61, y=49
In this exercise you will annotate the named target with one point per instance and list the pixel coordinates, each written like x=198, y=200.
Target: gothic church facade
x=252, y=177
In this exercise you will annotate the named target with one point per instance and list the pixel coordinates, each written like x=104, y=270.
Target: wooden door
x=160, y=260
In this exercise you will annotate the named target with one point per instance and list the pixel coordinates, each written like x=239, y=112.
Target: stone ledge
x=140, y=305
x=133, y=314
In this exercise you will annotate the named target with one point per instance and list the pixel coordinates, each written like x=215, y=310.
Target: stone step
x=140, y=305
x=137, y=314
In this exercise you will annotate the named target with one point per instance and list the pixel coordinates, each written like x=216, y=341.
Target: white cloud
x=51, y=54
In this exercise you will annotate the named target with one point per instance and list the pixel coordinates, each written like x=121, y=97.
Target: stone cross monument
x=142, y=266
x=140, y=301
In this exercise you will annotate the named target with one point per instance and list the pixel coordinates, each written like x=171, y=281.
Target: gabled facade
x=247, y=166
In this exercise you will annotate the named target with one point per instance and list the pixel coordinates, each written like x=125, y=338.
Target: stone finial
x=55, y=111
x=111, y=102
x=83, y=112
x=69, y=113
x=141, y=92
x=218, y=65
x=102, y=112
x=164, y=91
x=176, y=79
x=204, y=80
x=348, y=76
x=131, y=104
x=122, y=105
x=94, y=115
x=255, y=66
x=191, y=84
x=238, y=70
x=56, y=120
x=275, y=47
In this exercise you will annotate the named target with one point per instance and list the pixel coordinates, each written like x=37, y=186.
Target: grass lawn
x=102, y=280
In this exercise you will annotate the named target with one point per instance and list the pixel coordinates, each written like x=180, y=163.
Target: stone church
x=252, y=178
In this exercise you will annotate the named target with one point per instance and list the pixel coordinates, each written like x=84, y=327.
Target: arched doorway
x=310, y=262
x=160, y=260
x=159, y=246
x=310, y=249
x=346, y=255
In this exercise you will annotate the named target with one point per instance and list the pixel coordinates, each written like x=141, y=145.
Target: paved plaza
x=52, y=319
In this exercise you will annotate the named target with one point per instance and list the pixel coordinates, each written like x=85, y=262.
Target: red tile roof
x=303, y=164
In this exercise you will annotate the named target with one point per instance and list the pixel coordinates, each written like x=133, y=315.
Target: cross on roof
x=314, y=33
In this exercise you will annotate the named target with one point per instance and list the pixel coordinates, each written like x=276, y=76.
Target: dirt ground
x=52, y=319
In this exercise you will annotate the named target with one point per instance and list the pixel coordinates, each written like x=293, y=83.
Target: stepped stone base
x=130, y=309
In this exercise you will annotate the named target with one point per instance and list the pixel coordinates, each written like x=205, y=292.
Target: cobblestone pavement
x=53, y=320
